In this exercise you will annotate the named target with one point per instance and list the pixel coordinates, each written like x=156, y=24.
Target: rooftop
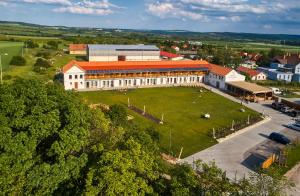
x=250, y=87
x=250, y=72
x=220, y=70
x=136, y=66
x=123, y=47
x=74, y=47
x=169, y=55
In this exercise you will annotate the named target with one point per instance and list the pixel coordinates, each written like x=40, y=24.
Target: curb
x=243, y=130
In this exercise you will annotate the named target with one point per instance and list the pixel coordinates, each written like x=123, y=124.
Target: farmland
x=183, y=109
x=8, y=50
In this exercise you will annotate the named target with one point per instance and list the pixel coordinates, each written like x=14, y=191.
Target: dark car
x=277, y=105
x=279, y=138
x=294, y=113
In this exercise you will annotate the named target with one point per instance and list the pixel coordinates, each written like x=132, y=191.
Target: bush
x=44, y=54
x=52, y=45
x=31, y=44
x=7, y=77
x=41, y=65
x=18, y=60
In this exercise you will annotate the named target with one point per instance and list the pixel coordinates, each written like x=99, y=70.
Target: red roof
x=250, y=72
x=132, y=65
x=169, y=55
x=77, y=47
x=219, y=70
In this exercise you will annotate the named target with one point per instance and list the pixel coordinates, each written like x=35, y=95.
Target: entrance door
x=218, y=85
x=76, y=85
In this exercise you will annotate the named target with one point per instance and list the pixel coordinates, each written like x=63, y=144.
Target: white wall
x=70, y=83
x=128, y=58
x=220, y=81
x=143, y=82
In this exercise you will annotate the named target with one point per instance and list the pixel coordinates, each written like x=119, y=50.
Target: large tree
x=43, y=132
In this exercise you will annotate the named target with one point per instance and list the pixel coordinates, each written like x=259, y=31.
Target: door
x=76, y=85
x=218, y=85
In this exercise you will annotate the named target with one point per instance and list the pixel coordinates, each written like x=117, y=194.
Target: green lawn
x=182, y=108
x=10, y=48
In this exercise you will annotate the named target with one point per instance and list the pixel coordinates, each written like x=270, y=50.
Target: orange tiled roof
x=220, y=70
x=250, y=72
x=77, y=47
x=132, y=65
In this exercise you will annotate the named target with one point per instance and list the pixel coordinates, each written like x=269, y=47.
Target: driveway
x=231, y=154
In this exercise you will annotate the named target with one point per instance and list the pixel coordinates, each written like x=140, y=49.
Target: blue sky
x=253, y=16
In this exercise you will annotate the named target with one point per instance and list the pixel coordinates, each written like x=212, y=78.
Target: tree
x=31, y=44
x=41, y=65
x=125, y=171
x=118, y=115
x=275, y=52
x=44, y=54
x=43, y=133
x=18, y=60
x=52, y=45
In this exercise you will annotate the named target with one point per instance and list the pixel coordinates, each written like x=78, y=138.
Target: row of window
x=216, y=76
x=75, y=77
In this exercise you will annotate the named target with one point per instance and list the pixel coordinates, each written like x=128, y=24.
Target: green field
x=182, y=108
x=11, y=49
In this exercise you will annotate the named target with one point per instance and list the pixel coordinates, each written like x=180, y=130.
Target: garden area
x=183, y=109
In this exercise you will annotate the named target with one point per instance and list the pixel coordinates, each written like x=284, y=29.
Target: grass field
x=182, y=108
x=10, y=48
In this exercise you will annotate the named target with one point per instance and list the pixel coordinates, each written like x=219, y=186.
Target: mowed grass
x=11, y=49
x=183, y=108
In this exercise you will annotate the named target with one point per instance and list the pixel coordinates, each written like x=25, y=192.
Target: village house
x=253, y=74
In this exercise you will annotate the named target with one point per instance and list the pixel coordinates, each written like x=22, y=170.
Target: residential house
x=253, y=74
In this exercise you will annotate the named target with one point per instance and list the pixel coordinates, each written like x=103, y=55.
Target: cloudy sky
x=254, y=16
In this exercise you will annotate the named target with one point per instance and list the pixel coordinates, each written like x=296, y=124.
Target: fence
x=238, y=125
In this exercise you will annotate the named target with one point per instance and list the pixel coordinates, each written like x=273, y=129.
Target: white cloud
x=62, y=2
x=168, y=9
x=88, y=7
x=267, y=26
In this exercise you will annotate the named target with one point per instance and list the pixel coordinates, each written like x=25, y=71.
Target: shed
x=249, y=91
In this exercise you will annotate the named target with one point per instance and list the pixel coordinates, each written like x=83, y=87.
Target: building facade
x=253, y=74
x=106, y=53
x=218, y=76
x=124, y=75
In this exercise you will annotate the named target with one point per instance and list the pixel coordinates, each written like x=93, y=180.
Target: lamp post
x=1, y=71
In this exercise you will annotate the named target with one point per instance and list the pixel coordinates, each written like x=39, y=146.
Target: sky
x=251, y=16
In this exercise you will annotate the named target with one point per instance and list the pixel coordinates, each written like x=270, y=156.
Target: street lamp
x=1, y=71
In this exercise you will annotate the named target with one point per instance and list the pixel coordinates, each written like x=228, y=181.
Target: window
x=76, y=77
x=70, y=77
x=81, y=76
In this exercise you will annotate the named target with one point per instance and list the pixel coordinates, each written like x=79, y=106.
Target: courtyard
x=183, y=109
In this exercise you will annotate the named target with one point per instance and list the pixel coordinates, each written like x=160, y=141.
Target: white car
x=276, y=91
x=294, y=126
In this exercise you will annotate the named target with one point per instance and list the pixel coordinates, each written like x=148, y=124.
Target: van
x=276, y=91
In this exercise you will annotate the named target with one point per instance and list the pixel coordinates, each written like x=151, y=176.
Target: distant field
x=10, y=48
x=183, y=108
x=253, y=46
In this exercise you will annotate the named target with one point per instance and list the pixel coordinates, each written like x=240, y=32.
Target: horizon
x=257, y=16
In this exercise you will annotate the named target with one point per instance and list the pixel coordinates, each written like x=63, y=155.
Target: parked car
x=286, y=109
x=277, y=105
x=294, y=126
x=279, y=138
x=276, y=91
x=294, y=113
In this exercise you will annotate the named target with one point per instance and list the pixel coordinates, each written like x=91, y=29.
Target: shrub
x=44, y=54
x=18, y=60
x=31, y=44
x=7, y=77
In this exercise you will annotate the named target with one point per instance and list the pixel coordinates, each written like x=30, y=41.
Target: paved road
x=231, y=154
x=294, y=175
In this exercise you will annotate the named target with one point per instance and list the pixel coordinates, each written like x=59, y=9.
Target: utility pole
x=1, y=70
